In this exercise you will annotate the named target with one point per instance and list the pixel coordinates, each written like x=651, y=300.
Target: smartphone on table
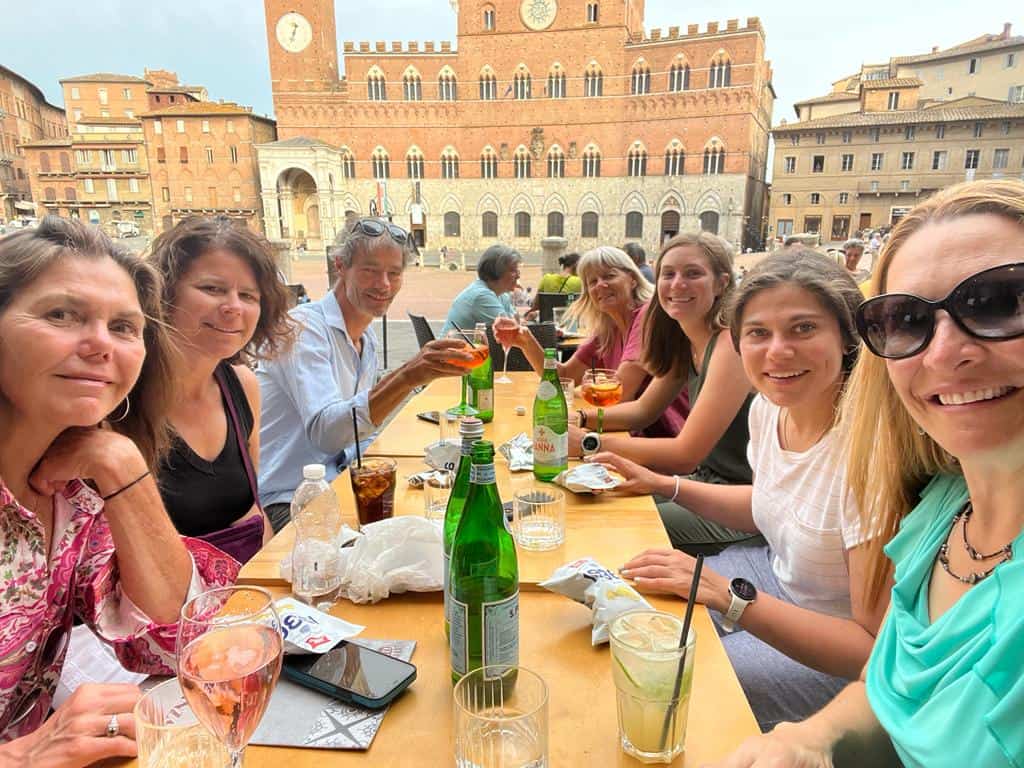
x=353, y=674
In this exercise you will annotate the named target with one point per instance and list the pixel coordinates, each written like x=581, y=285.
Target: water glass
x=569, y=390
x=436, y=492
x=538, y=518
x=501, y=719
x=168, y=735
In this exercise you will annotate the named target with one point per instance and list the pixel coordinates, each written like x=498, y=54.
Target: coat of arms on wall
x=537, y=143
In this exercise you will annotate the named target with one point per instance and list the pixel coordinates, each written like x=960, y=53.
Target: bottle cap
x=313, y=472
x=471, y=426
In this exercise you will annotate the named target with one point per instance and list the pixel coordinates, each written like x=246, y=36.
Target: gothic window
x=593, y=81
x=412, y=86
x=591, y=163
x=679, y=77
x=375, y=86
x=521, y=85
x=522, y=224
x=488, y=85
x=449, y=164
x=522, y=163
x=637, y=160
x=381, y=164
x=414, y=164
x=446, y=86
x=675, y=160
x=488, y=164
x=556, y=163
x=641, y=80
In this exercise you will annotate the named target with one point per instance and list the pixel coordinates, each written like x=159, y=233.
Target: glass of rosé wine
x=506, y=328
x=477, y=346
x=229, y=657
x=601, y=387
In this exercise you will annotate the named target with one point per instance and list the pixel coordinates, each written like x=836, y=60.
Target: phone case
x=344, y=695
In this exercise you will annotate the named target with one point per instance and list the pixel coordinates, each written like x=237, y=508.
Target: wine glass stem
x=465, y=384
x=237, y=757
x=504, y=368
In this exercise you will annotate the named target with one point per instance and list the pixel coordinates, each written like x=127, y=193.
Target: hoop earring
x=123, y=416
x=921, y=432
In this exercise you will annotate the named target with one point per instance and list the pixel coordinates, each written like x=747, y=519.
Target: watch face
x=743, y=589
x=590, y=442
x=538, y=14
x=294, y=32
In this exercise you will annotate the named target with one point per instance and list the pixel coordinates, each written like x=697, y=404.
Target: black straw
x=593, y=368
x=461, y=332
x=670, y=714
x=355, y=431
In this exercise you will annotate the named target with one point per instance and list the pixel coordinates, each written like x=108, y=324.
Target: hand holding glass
x=477, y=346
x=601, y=387
x=505, y=331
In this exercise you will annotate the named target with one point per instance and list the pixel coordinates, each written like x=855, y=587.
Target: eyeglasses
x=376, y=228
x=33, y=682
x=988, y=305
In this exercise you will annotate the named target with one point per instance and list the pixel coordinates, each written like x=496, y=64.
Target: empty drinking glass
x=168, y=735
x=436, y=492
x=538, y=518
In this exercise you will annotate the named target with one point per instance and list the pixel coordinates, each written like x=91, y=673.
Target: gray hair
x=636, y=252
x=353, y=240
x=496, y=261
x=854, y=243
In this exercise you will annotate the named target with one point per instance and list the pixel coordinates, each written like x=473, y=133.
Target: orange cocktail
x=480, y=353
x=601, y=388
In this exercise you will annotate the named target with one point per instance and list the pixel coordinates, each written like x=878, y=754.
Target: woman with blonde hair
x=936, y=462
x=611, y=308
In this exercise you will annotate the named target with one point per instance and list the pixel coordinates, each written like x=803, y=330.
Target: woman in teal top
x=935, y=417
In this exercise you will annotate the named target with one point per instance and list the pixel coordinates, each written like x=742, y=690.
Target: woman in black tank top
x=227, y=307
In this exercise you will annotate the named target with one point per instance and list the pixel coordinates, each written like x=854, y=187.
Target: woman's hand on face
x=670, y=571
x=107, y=458
x=784, y=747
x=76, y=733
x=639, y=479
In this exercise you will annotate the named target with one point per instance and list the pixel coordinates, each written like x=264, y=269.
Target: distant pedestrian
x=636, y=252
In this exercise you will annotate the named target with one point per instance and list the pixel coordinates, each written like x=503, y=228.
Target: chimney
x=1006, y=30
x=935, y=49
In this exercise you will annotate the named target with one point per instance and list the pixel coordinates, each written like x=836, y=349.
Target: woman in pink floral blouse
x=83, y=391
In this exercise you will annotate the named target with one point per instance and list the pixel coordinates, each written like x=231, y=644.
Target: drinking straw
x=355, y=430
x=671, y=712
x=461, y=333
x=593, y=368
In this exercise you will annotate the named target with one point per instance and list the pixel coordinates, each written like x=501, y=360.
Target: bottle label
x=546, y=390
x=467, y=445
x=550, y=449
x=482, y=399
x=447, y=597
x=458, y=635
x=501, y=633
x=483, y=474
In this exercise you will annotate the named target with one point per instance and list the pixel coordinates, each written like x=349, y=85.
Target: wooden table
x=554, y=642
x=609, y=527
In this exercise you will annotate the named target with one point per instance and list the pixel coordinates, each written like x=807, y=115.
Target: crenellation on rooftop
x=397, y=47
x=732, y=26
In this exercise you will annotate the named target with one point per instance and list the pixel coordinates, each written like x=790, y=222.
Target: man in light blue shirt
x=309, y=393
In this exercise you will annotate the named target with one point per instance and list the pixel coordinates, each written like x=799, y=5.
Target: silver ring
x=112, y=727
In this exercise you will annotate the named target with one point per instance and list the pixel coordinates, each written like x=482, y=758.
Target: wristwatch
x=741, y=593
x=590, y=444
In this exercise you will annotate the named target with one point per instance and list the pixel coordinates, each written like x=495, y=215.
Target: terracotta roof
x=61, y=141
x=193, y=108
x=895, y=82
x=298, y=141
x=829, y=97
x=103, y=77
x=936, y=114
x=983, y=43
x=35, y=89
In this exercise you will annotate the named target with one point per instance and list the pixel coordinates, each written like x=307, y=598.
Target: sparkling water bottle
x=316, y=573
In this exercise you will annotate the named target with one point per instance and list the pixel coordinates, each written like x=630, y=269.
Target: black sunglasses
x=988, y=305
x=376, y=228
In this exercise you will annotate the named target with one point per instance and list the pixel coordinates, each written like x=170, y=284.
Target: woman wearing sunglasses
x=937, y=464
x=84, y=375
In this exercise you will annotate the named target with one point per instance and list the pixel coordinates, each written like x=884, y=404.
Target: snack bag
x=587, y=581
x=307, y=630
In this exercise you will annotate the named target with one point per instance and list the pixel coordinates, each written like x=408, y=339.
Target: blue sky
x=222, y=44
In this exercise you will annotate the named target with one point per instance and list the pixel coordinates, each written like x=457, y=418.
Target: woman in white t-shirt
x=800, y=623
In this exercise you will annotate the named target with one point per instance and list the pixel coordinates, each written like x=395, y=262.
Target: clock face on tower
x=538, y=14
x=294, y=32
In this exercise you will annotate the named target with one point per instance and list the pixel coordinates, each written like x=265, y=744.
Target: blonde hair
x=585, y=311
x=889, y=460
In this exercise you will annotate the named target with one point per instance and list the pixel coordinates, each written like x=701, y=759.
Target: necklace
x=1004, y=553
x=785, y=428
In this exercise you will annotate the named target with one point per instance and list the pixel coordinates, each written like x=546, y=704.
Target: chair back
x=516, y=359
x=424, y=333
x=545, y=334
x=547, y=303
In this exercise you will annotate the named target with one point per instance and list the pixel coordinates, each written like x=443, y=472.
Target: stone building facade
x=556, y=117
x=25, y=116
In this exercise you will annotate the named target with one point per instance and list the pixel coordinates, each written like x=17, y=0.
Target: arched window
x=709, y=222
x=412, y=85
x=446, y=85
x=452, y=224
x=414, y=163
x=521, y=84
x=679, y=76
x=488, y=164
x=637, y=160
x=521, y=161
x=50, y=193
x=556, y=224
x=381, y=164
x=65, y=162
x=488, y=85
x=556, y=82
x=675, y=159
x=489, y=19
x=641, y=79
x=489, y=224
x=588, y=225
x=635, y=224
x=348, y=164
x=522, y=224
x=376, y=89
x=714, y=159
x=593, y=13
x=44, y=162
x=720, y=72
x=591, y=162
x=593, y=80
x=556, y=163
x=449, y=164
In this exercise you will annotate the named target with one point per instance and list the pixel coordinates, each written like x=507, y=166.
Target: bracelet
x=583, y=418
x=600, y=420
x=124, y=488
x=676, y=491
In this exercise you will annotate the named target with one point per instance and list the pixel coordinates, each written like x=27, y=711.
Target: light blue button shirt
x=308, y=395
x=477, y=304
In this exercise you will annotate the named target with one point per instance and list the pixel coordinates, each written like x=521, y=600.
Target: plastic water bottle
x=316, y=572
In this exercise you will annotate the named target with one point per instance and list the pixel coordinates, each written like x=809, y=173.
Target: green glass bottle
x=484, y=579
x=481, y=386
x=550, y=424
x=471, y=429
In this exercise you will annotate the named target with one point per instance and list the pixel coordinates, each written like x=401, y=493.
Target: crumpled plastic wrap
x=587, y=478
x=587, y=581
x=400, y=554
x=443, y=455
x=518, y=452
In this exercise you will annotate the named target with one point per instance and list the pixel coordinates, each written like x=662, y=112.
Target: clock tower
x=303, y=45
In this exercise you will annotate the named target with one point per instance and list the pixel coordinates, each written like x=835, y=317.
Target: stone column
x=553, y=247
x=271, y=216
x=287, y=214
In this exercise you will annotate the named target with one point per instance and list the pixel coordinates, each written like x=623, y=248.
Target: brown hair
x=890, y=462
x=27, y=254
x=666, y=347
x=174, y=251
x=817, y=274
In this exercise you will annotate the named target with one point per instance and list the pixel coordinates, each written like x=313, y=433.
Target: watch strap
x=737, y=605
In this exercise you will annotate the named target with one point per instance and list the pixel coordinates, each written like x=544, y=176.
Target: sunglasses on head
x=376, y=228
x=988, y=305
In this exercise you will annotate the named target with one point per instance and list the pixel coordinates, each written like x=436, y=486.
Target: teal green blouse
x=950, y=693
